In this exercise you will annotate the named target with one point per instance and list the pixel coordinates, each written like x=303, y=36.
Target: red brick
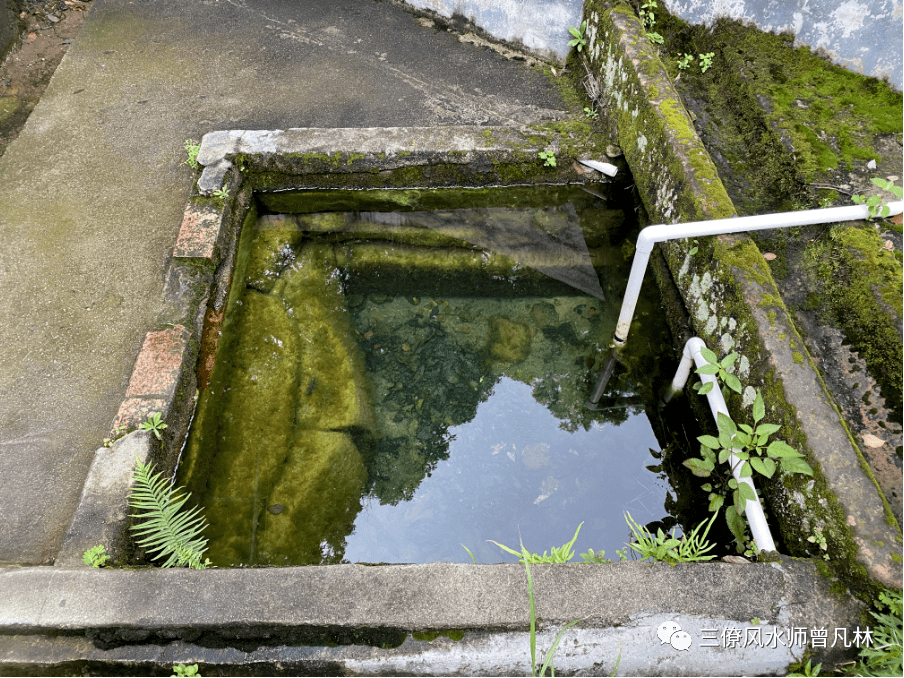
x=199, y=233
x=158, y=366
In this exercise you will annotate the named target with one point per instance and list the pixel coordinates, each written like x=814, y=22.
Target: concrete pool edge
x=118, y=615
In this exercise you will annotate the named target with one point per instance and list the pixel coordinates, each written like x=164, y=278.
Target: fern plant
x=164, y=529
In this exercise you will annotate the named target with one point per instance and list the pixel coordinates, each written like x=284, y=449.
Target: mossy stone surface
x=508, y=342
x=249, y=432
x=334, y=391
x=312, y=507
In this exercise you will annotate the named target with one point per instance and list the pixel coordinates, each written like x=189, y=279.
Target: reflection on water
x=513, y=472
x=391, y=385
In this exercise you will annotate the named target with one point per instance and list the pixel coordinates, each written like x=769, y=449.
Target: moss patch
x=775, y=117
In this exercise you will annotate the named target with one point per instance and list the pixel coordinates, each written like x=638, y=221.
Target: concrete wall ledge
x=621, y=605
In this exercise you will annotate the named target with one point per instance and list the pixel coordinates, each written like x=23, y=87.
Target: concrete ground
x=94, y=188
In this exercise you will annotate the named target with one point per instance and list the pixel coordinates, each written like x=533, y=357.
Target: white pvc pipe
x=696, y=229
x=692, y=354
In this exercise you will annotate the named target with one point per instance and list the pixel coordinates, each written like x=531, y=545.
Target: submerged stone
x=508, y=341
x=318, y=495
x=335, y=390
x=271, y=253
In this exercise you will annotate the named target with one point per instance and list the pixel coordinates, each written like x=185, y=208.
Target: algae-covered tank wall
x=381, y=367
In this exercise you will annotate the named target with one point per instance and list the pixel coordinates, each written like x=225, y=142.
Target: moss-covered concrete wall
x=731, y=301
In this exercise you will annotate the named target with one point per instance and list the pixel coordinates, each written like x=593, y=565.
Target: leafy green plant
x=591, y=114
x=667, y=548
x=806, y=670
x=579, y=42
x=221, y=193
x=192, y=147
x=558, y=555
x=706, y=61
x=685, y=62
x=648, y=18
x=164, y=528
x=96, y=556
x=719, y=369
x=154, y=424
x=548, y=157
x=595, y=557
x=877, y=205
x=883, y=658
x=180, y=670
x=820, y=539
x=752, y=449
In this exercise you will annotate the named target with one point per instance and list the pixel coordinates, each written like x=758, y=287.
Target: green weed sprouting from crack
x=878, y=207
x=752, y=448
x=561, y=554
x=164, y=529
x=667, y=548
x=548, y=158
x=154, y=424
x=192, y=147
x=579, y=41
x=96, y=556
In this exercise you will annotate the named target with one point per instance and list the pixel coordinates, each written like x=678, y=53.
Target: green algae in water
x=376, y=399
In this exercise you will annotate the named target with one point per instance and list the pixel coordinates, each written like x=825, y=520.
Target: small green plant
x=648, y=18
x=548, y=158
x=706, y=61
x=667, y=548
x=180, y=670
x=154, y=424
x=96, y=556
x=558, y=555
x=877, y=206
x=579, y=42
x=685, y=62
x=595, y=557
x=806, y=670
x=752, y=450
x=163, y=527
x=221, y=193
x=819, y=539
x=719, y=369
x=192, y=147
x=525, y=557
x=591, y=114
x=118, y=433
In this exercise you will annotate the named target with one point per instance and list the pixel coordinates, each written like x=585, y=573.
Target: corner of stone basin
x=731, y=301
x=102, y=516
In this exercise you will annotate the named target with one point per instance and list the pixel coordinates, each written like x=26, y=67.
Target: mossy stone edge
x=726, y=288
